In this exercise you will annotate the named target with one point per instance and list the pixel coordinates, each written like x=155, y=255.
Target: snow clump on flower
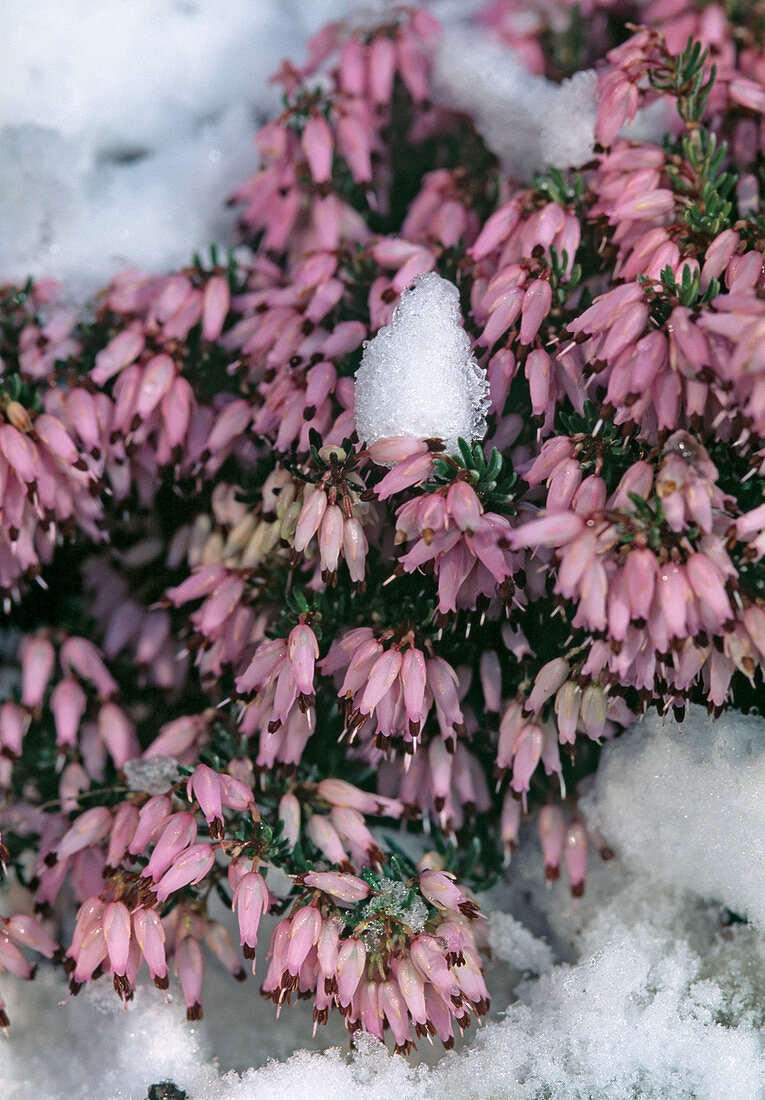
x=418, y=376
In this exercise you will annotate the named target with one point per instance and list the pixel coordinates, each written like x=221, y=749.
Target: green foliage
x=494, y=480
x=602, y=447
x=567, y=189
x=683, y=76
x=667, y=294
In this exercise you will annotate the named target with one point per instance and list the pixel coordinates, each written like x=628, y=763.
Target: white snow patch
x=685, y=806
x=154, y=775
x=514, y=944
x=418, y=376
x=123, y=127
x=530, y=122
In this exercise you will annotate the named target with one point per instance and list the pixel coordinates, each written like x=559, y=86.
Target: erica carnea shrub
x=377, y=527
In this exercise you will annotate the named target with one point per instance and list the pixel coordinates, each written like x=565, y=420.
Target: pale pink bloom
x=251, y=901
x=546, y=683
x=551, y=827
x=151, y=817
x=25, y=931
x=37, y=660
x=330, y=538
x=567, y=702
x=88, y=829
x=116, y=925
x=325, y=836
x=429, y=960
x=219, y=941
x=181, y=738
x=384, y=671
x=14, y=723
x=442, y=891
x=748, y=93
x=575, y=851
x=351, y=964
x=150, y=936
x=327, y=948
x=188, y=869
x=121, y=833
x=205, y=786
x=353, y=831
x=178, y=834
x=550, y=530
x=289, y=814
x=526, y=756
x=90, y=955
x=414, y=681
x=388, y=452
x=305, y=929
x=83, y=657
x=68, y=702
x=190, y=966
x=118, y=734
x=413, y=470
x=317, y=144
x=303, y=649
x=355, y=547
x=216, y=304
x=344, y=887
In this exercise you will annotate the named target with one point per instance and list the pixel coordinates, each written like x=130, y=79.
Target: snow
x=155, y=775
x=513, y=943
x=530, y=122
x=394, y=898
x=418, y=376
x=663, y=1001
x=703, y=832
x=123, y=127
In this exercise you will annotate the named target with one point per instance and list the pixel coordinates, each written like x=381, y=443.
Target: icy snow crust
x=531, y=123
x=418, y=376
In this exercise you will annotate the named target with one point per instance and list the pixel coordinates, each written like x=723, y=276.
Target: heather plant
x=328, y=561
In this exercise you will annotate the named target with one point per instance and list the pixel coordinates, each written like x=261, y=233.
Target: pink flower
x=442, y=891
x=190, y=966
x=206, y=787
x=188, y=869
x=343, y=887
x=88, y=829
x=251, y=900
x=351, y=963
x=150, y=936
x=177, y=835
x=575, y=851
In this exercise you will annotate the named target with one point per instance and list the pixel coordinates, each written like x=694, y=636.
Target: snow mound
x=530, y=122
x=685, y=806
x=418, y=376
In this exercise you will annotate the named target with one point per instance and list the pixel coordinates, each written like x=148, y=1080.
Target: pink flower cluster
x=389, y=972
